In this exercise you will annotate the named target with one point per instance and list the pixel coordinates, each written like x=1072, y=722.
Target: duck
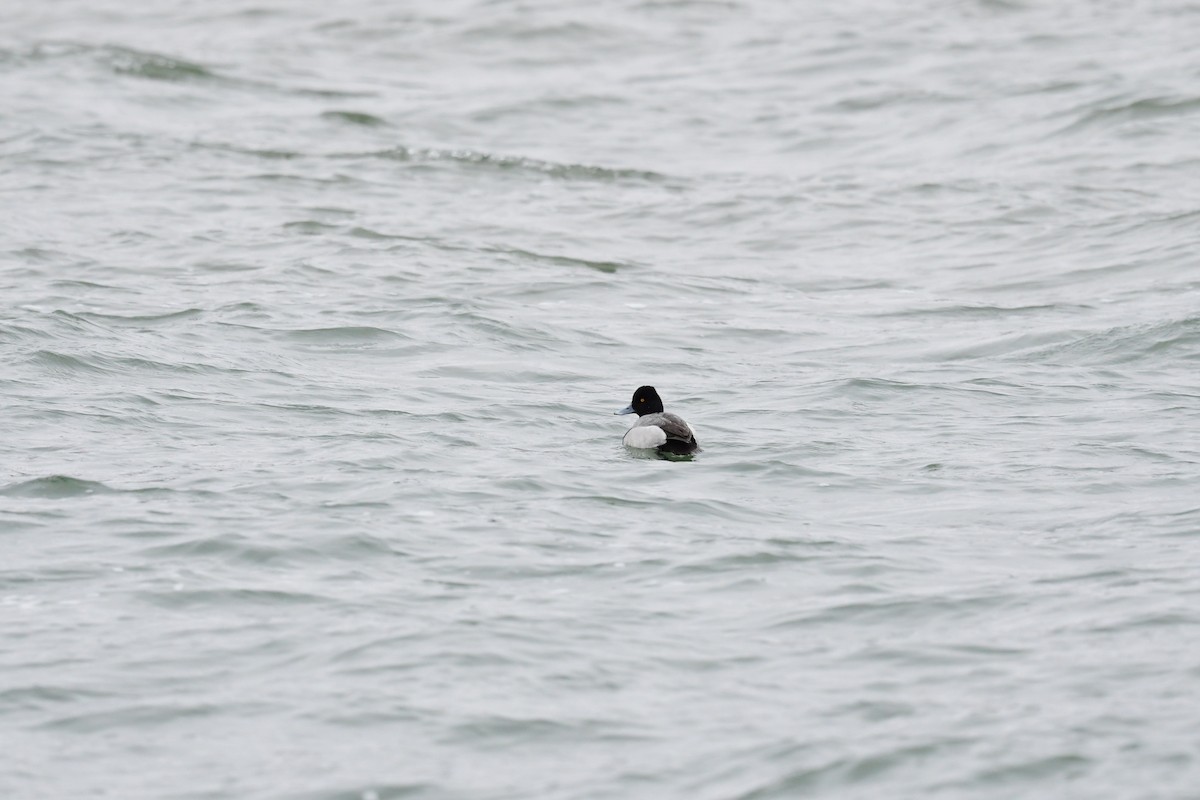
x=657, y=429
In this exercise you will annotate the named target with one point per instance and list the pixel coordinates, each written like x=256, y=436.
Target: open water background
x=313, y=317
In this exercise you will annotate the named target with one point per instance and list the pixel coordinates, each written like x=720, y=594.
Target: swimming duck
x=655, y=428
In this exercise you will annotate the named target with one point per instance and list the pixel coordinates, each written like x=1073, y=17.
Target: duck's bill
x=626, y=410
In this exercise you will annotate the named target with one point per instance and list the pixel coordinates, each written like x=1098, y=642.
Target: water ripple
x=55, y=487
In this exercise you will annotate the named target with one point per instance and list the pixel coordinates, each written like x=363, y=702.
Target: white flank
x=645, y=436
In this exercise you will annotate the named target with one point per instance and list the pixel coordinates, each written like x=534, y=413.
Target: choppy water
x=314, y=317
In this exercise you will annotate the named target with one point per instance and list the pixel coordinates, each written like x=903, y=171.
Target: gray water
x=313, y=317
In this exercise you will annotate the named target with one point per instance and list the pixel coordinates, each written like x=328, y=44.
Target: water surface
x=314, y=319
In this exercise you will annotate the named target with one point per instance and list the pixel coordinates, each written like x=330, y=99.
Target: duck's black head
x=645, y=401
